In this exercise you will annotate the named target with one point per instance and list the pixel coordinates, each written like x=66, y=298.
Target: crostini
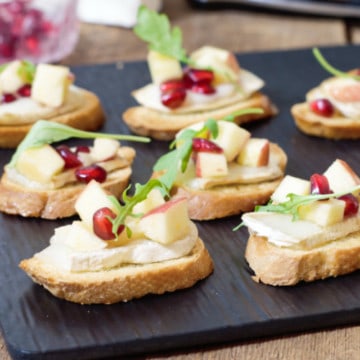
x=210, y=83
x=42, y=180
x=310, y=230
x=221, y=169
x=121, y=252
x=332, y=109
x=45, y=91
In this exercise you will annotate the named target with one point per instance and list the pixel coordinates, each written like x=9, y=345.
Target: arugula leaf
x=155, y=29
x=46, y=132
x=292, y=205
x=168, y=164
x=141, y=192
x=323, y=62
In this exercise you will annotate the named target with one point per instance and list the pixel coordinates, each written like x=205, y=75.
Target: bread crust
x=337, y=127
x=164, y=126
x=278, y=266
x=124, y=283
x=88, y=116
x=222, y=201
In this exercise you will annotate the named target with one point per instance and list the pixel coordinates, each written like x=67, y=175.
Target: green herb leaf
x=292, y=205
x=155, y=29
x=141, y=192
x=177, y=159
x=323, y=62
x=27, y=71
x=46, y=132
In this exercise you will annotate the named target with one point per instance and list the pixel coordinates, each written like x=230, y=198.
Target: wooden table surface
x=239, y=31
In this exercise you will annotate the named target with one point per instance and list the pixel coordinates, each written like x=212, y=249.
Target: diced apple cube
x=223, y=62
x=40, y=164
x=92, y=198
x=256, y=152
x=50, y=85
x=104, y=149
x=341, y=176
x=210, y=164
x=168, y=222
x=153, y=200
x=10, y=79
x=231, y=138
x=324, y=212
x=290, y=185
x=163, y=67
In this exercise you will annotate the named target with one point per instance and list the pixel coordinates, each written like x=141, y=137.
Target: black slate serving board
x=228, y=305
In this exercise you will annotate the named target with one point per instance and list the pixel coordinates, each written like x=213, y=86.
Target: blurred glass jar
x=37, y=30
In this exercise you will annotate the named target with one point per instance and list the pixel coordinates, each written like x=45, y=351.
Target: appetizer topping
x=340, y=93
x=37, y=164
x=321, y=209
x=209, y=73
x=217, y=153
x=110, y=234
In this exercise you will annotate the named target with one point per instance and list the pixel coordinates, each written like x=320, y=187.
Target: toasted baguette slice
x=123, y=283
x=337, y=127
x=164, y=126
x=222, y=201
x=274, y=265
x=15, y=199
x=82, y=111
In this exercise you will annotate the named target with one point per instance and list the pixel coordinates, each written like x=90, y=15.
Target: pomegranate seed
x=199, y=75
x=32, y=44
x=351, y=204
x=322, y=107
x=203, y=88
x=319, y=184
x=82, y=148
x=92, y=172
x=173, y=99
x=8, y=98
x=71, y=160
x=102, y=225
x=204, y=145
x=25, y=91
x=171, y=85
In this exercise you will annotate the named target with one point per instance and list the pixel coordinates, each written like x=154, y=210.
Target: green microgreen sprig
x=46, y=132
x=126, y=209
x=168, y=164
x=292, y=205
x=155, y=29
x=324, y=63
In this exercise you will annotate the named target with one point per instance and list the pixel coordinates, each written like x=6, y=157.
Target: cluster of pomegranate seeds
x=70, y=158
x=204, y=145
x=24, y=91
x=102, y=224
x=173, y=92
x=92, y=172
x=21, y=26
x=319, y=184
x=322, y=107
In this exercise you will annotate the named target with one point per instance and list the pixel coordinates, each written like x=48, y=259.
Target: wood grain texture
x=240, y=31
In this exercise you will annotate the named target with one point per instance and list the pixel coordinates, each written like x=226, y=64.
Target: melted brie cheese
x=26, y=111
x=281, y=230
x=225, y=94
x=75, y=255
x=329, y=87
